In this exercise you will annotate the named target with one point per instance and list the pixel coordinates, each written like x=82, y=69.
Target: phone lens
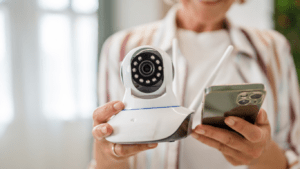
x=243, y=102
x=256, y=96
x=243, y=95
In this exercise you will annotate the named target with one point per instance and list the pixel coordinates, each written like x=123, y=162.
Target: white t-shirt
x=203, y=52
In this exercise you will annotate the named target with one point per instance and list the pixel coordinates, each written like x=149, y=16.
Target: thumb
x=262, y=117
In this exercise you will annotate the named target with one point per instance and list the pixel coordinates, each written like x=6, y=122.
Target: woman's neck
x=186, y=20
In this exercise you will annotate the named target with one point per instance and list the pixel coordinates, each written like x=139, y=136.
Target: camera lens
x=146, y=68
x=256, y=96
x=243, y=102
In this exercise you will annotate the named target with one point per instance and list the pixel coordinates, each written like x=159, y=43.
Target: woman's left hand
x=236, y=149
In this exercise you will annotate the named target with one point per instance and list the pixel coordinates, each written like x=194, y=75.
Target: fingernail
x=118, y=106
x=200, y=131
x=118, y=147
x=229, y=121
x=104, y=129
x=262, y=115
x=152, y=145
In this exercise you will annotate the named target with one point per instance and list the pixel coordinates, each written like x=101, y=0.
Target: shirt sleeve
x=103, y=74
x=293, y=136
x=110, y=87
x=288, y=129
x=92, y=164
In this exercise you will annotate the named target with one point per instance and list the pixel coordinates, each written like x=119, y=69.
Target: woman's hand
x=103, y=153
x=238, y=150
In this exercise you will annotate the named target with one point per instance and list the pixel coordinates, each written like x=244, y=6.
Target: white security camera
x=152, y=112
x=147, y=73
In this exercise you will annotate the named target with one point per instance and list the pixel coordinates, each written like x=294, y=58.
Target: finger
x=103, y=113
x=124, y=150
x=226, y=137
x=102, y=130
x=262, y=118
x=251, y=132
x=232, y=160
x=222, y=148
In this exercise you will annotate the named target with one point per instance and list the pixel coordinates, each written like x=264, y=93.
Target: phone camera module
x=246, y=98
x=243, y=95
x=243, y=102
x=256, y=96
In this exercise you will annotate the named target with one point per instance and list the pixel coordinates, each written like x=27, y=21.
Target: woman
x=260, y=56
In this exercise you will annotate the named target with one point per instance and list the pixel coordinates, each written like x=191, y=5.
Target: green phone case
x=243, y=101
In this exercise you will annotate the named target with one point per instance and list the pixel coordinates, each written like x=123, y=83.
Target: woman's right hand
x=103, y=153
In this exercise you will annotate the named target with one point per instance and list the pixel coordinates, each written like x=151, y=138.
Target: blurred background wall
x=48, y=68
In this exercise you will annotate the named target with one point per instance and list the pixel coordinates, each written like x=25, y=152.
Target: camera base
x=151, y=125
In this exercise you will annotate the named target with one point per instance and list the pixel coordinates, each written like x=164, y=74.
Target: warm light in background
x=68, y=54
x=57, y=71
x=54, y=4
x=2, y=34
x=6, y=103
x=86, y=6
x=86, y=51
x=48, y=71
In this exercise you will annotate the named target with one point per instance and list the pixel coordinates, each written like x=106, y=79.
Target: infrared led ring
x=147, y=69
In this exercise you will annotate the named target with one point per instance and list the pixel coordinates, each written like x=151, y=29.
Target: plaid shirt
x=261, y=56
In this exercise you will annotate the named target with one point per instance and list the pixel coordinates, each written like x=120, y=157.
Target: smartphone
x=242, y=100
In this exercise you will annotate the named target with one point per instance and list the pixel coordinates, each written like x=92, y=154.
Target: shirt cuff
x=292, y=159
x=92, y=164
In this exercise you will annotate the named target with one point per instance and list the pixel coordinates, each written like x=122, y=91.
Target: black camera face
x=147, y=70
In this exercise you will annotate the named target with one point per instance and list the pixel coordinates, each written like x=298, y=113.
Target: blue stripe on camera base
x=152, y=108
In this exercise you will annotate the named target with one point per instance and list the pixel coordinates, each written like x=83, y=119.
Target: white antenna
x=175, y=60
x=198, y=99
